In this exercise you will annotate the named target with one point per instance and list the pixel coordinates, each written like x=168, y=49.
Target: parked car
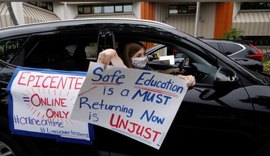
x=226, y=113
x=242, y=52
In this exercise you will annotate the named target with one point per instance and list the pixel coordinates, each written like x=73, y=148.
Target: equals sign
x=26, y=99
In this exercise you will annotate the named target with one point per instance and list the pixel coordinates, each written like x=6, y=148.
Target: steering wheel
x=185, y=66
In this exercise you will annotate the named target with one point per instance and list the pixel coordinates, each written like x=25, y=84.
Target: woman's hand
x=189, y=78
x=108, y=56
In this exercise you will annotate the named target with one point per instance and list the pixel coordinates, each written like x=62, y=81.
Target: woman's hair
x=128, y=50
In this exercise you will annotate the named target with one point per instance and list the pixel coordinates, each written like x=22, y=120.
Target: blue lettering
x=141, y=78
x=152, y=117
x=147, y=96
x=114, y=78
x=99, y=75
x=83, y=101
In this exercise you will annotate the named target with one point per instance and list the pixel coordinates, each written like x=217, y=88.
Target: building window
x=182, y=9
x=128, y=8
x=255, y=5
x=108, y=9
x=86, y=9
x=44, y=5
x=98, y=9
x=119, y=8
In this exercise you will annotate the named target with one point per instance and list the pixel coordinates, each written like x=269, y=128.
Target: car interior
x=62, y=52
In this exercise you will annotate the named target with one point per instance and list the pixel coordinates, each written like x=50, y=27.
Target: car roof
x=244, y=42
x=72, y=23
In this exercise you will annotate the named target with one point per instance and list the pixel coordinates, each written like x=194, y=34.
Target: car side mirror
x=225, y=79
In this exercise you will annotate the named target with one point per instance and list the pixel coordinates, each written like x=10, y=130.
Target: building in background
x=201, y=19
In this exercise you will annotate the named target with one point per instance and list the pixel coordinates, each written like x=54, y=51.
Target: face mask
x=139, y=62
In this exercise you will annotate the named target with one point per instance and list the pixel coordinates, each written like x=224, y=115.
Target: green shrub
x=266, y=66
x=233, y=34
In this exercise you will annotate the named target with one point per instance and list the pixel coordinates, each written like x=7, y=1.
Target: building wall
x=186, y=22
x=161, y=12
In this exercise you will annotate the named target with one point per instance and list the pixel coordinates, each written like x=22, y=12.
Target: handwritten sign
x=137, y=103
x=41, y=101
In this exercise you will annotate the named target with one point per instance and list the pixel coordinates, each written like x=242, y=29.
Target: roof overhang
x=253, y=23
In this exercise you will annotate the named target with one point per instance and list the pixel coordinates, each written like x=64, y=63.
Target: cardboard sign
x=137, y=103
x=41, y=101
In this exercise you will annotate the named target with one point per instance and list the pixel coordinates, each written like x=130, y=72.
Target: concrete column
x=197, y=19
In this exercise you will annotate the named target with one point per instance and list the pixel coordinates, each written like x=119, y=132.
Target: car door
x=211, y=116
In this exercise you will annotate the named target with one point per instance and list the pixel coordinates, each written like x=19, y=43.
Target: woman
x=133, y=57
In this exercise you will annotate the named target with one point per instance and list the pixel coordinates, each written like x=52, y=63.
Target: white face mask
x=139, y=62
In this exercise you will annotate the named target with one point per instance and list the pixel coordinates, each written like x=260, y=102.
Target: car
x=241, y=51
x=226, y=113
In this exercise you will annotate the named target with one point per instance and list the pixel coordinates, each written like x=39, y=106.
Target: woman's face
x=139, y=60
x=140, y=53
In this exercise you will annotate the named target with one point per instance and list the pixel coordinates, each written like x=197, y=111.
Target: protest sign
x=41, y=101
x=137, y=103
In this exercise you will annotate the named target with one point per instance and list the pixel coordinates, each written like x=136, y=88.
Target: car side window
x=214, y=45
x=8, y=48
x=185, y=59
x=61, y=55
x=230, y=48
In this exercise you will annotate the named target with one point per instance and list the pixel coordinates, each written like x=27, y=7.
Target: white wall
x=64, y=11
x=206, y=26
x=137, y=9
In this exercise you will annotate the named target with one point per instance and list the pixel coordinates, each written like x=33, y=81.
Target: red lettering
x=36, y=100
x=21, y=78
x=148, y=132
x=117, y=121
x=31, y=78
x=62, y=83
x=52, y=84
x=140, y=130
x=156, y=134
x=78, y=83
x=71, y=82
x=50, y=81
x=44, y=81
x=38, y=77
x=134, y=128
x=50, y=113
